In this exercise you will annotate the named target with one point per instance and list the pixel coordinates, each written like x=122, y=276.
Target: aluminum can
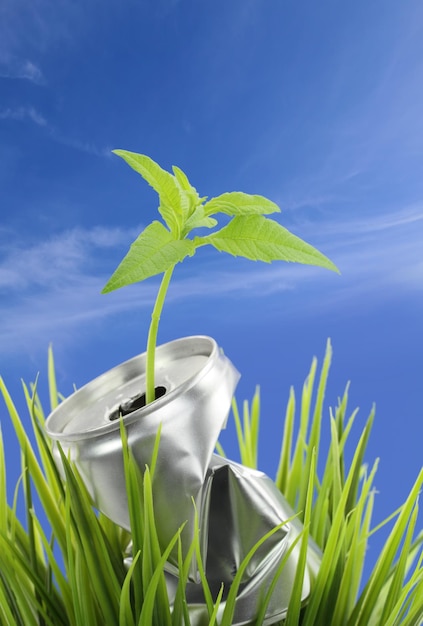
x=199, y=381
x=236, y=505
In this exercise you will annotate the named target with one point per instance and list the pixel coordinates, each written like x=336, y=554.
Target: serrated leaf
x=182, y=179
x=239, y=203
x=153, y=252
x=172, y=220
x=198, y=220
x=162, y=182
x=190, y=200
x=261, y=239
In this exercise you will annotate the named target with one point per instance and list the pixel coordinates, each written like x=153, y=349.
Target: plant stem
x=150, y=394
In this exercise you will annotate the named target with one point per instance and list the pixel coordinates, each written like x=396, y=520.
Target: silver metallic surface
x=243, y=505
x=236, y=505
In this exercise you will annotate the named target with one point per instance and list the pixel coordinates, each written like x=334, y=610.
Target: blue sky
x=314, y=105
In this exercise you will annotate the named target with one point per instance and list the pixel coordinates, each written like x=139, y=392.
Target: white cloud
x=31, y=27
x=18, y=69
x=373, y=224
x=35, y=24
x=55, y=285
x=31, y=72
x=81, y=146
x=63, y=256
x=23, y=113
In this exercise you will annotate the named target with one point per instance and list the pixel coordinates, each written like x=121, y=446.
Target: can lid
x=96, y=407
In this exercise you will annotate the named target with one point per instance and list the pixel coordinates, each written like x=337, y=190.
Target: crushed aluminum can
x=242, y=505
x=236, y=505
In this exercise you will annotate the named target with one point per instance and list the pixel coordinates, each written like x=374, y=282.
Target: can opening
x=133, y=404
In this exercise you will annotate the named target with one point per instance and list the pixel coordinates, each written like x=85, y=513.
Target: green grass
x=70, y=570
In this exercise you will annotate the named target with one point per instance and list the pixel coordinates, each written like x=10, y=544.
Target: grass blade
x=294, y=607
x=228, y=613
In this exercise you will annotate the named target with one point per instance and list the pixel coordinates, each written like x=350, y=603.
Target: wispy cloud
x=63, y=257
x=56, y=284
x=36, y=24
x=23, y=113
x=29, y=28
x=29, y=113
x=21, y=69
x=374, y=224
x=81, y=146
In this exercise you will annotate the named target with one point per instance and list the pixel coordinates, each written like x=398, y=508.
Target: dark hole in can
x=134, y=403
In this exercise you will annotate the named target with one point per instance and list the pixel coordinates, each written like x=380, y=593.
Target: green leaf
x=45, y=494
x=153, y=252
x=92, y=546
x=162, y=182
x=294, y=607
x=239, y=203
x=247, y=430
x=283, y=471
x=228, y=613
x=125, y=610
x=261, y=239
x=198, y=220
x=190, y=200
x=182, y=179
x=54, y=396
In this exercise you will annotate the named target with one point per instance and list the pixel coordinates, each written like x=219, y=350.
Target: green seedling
x=160, y=247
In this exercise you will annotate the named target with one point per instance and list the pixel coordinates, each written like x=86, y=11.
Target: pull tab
x=133, y=404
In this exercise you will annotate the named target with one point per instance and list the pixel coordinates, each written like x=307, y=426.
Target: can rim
x=55, y=422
